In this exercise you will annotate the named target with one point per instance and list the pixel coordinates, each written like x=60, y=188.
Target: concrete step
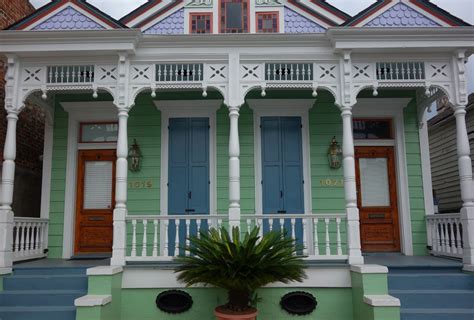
x=37, y=313
x=445, y=299
x=40, y=297
x=430, y=281
x=437, y=314
x=45, y=282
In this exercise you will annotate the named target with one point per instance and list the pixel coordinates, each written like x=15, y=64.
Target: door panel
x=377, y=199
x=282, y=170
x=95, y=201
x=188, y=174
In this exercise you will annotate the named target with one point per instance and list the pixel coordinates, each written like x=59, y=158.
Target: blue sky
x=463, y=9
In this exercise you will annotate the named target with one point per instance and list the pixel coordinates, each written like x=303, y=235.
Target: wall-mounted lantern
x=134, y=157
x=334, y=154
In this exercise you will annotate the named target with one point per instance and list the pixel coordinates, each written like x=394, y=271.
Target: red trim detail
x=434, y=13
x=140, y=11
x=370, y=13
x=159, y=13
x=329, y=9
x=194, y=14
x=307, y=10
x=59, y=5
x=273, y=13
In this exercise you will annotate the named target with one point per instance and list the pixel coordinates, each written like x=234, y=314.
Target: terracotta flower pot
x=248, y=315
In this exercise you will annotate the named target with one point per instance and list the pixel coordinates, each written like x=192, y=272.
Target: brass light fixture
x=334, y=154
x=134, y=157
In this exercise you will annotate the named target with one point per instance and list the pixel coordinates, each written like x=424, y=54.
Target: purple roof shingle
x=173, y=24
x=69, y=19
x=296, y=23
x=401, y=15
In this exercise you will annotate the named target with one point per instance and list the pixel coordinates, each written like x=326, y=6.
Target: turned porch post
x=352, y=212
x=6, y=194
x=120, y=211
x=234, y=168
x=467, y=187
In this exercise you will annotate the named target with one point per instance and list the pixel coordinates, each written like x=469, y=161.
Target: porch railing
x=445, y=234
x=160, y=238
x=155, y=238
x=29, y=238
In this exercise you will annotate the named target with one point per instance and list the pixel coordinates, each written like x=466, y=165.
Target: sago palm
x=238, y=265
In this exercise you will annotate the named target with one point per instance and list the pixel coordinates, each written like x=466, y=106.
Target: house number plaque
x=332, y=182
x=140, y=184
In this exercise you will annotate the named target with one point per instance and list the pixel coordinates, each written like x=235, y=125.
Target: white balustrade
x=160, y=238
x=168, y=235
x=179, y=72
x=393, y=71
x=289, y=72
x=29, y=238
x=445, y=231
x=318, y=235
x=70, y=74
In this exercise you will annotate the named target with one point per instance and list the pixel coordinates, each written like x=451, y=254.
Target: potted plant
x=240, y=266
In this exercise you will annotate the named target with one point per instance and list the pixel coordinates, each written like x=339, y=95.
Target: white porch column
x=120, y=211
x=6, y=195
x=467, y=187
x=352, y=212
x=234, y=168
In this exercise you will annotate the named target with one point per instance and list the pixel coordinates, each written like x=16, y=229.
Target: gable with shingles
x=173, y=24
x=69, y=19
x=297, y=23
x=401, y=15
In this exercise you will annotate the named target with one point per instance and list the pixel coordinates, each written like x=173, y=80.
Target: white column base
x=467, y=218
x=234, y=218
x=120, y=238
x=6, y=239
x=353, y=236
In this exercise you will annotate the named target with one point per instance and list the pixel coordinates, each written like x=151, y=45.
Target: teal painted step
x=46, y=282
x=40, y=297
x=433, y=293
x=437, y=314
x=42, y=293
x=37, y=313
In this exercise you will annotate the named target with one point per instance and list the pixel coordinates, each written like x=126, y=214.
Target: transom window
x=372, y=129
x=234, y=16
x=267, y=22
x=98, y=132
x=201, y=23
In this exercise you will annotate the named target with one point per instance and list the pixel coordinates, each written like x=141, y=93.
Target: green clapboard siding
x=415, y=180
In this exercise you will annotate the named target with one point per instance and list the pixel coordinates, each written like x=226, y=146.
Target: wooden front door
x=95, y=201
x=377, y=199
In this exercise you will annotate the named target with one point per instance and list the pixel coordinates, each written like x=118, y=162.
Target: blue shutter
x=292, y=160
x=199, y=165
x=188, y=173
x=282, y=170
x=271, y=165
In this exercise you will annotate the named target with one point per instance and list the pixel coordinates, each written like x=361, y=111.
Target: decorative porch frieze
x=264, y=3
x=199, y=3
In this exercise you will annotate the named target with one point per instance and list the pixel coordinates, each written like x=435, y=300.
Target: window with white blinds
x=374, y=182
x=98, y=177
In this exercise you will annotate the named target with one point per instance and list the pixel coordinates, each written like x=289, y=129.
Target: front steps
x=433, y=293
x=42, y=293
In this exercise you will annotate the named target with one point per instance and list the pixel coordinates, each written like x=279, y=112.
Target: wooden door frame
x=393, y=186
x=80, y=190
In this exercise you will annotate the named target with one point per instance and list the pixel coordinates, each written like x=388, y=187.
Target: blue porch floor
x=396, y=260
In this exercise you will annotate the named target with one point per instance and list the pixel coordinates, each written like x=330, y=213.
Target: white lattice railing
x=445, y=234
x=156, y=238
x=289, y=72
x=70, y=74
x=29, y=238
x=320, y=235
x=179, y=72
x=400, y=71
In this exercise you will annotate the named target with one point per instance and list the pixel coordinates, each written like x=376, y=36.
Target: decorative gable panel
x=296, y=23
x=69, y=19
x=401, y=15
x=173, y=24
